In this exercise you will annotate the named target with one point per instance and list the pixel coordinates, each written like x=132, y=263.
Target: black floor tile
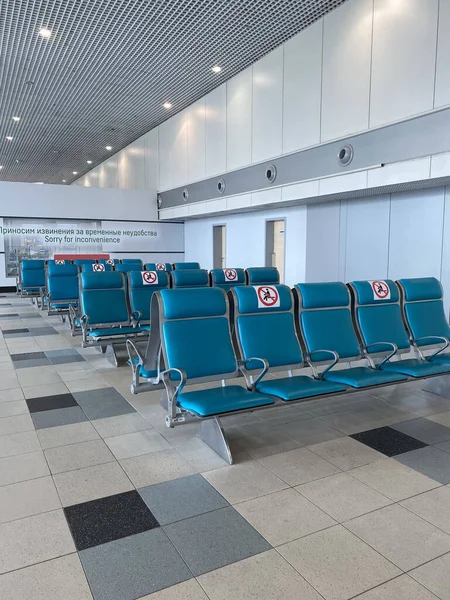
x=388, y=441
x=51, y=402
x=14, y=331
x=108, y=519
x=27, y=356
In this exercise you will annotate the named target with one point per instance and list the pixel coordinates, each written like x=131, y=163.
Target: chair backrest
x=103, y=298
x=141, y=287
x=262, y=276
x=62, y=281
x=158, y=267
x=183, y=266
x=127, y=267
x=423, y=310
x=96, y=268
x=132, y=261
x=264, y=325
x=109, y=261
x=377, y=316
x=325, y=320
x=191, y=278
x=32, y=274
x=195, y=332
x=227, y=278
x=59, y=261
x=84, y=261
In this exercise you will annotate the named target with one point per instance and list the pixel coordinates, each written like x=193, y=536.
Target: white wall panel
x=408, y=170
x=239, y=120
x=123, y=168
x=196, y=143
x=267, y=106
x=403, y=61
x=322, y=242
x=367, y=238
x=179, y=149
x=108, y=175
x=165, y=144
x=137, y=165
x=442, y=92
x=298, y=191
x=445, y=267
x=216, y=131
x=415, y=244
x=152, y=168
x=343, y=183
x=346, y=69
x=302, y=89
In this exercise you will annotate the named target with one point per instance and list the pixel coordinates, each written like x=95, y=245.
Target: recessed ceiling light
x=167, y=105
x=216, y=69
x=108, y=148
x=16, y=119
x=1, y=167
x=75, y=172
x=39, y=182
x=89, y=162
x=64, y=181
x=44, y=32
x=9, y=138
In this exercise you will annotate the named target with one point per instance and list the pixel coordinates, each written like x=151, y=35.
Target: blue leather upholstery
x=324, y=295
x=227, y=278
x=366, y=295
x=221, y=400
x=190, y=278
x=297, y=387
x=415, y=367
x=96, y=268
x=360, y=377
x=109, y=261
x=129, y=266
x=84, y=261
x=158, y=267
x=103, y=298
x=132, y=261
x=32, y=275
x=262, y=275
x=183, y=266
x=108, y=331
x=140, y=293
x=142, y=372
x=421, y=288
x=247, y=299
x=193, y=302
x=62, y=282
x=330, y=329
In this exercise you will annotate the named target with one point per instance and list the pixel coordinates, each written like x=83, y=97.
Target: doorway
x=275, y=245
x=219, y=246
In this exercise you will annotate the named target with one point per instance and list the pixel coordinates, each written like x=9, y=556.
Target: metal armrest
x=84, y=322
x=432, y=337
x=386, y=358
x=251, y=385
x=173, y=388
x=318, y=375
x=136, y=318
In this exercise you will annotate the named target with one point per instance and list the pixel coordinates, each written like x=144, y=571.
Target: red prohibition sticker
x=98, y=267
x=149, y=277
x=161, y=267
x=381, y=290
x=230, y=274
x=60, y=262
x=268, y=296
x=109, y=261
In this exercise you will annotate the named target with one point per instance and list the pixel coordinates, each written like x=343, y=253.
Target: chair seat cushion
x=95, y=333
x=63, y=304
x=216, y=401
x=441, y=358
x=360, y=377
x=142, y=372
x=300, y=386
x=415, y=367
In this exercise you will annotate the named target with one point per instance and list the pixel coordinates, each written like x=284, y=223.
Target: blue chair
x=109, y=261
x=190, y=278
x=132, y=261
x=196, y=347
x=129, y=266
x=141, y=287
x=269, y=332
x=84, y=261
x=104, y=312
x=183, y=266
x=227, y=278
x=96, y=268
x=382, y=330
x=262, y=276
x=32, y=278
x=62, y=288
x=161, y=266
x=59, y=261
x=424, y=317
x=325, y=323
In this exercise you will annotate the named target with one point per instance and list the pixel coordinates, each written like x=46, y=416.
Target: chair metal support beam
x=210, y=431
x=438, y=385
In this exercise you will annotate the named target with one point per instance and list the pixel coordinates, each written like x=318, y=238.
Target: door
x=219, y=247
x=275, y=245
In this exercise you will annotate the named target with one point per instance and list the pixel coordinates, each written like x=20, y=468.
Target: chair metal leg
x=438, y=385
x=211, y=432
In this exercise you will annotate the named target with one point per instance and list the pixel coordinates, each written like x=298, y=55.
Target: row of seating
x=325, y=326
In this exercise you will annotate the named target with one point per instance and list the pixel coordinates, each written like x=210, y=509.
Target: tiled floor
x=332, y=499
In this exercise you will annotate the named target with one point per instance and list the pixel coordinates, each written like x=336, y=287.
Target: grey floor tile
x=33, y=376
x=434, y=576
x=23, y=467
x=343, y=497
x=298, y=466
x=60, y=578
x=196, y=496
x=312, y=431
x=201, y=457
x=39, y=391
x=400, y=588
x=215, y=539
x=132, y=567
x=442, y=418
x=19, y=443
x=424, y=430
x=188, y=590
x=33, y=362
x=284, y=516
x=122, y=424
x=34, y=539
x=405, y=539
x=103, y=403
x=444, y=446
x=78, y=456
x=346, y=453
x=38, y=331
x=338, y=564
x=91, y=483
x=67, y=359
x=266, y=576
x=28, y=498
x=62, y=352
x=433, y=506
x=11, y=395
x=244, y=481
x=158, y=467
x=259, y=439
x=11, y=409
x=58, y=417
x=432, y=462
x=67, y=434
x=15, y=424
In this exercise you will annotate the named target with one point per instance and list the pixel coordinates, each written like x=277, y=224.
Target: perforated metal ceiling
x=109, y=65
